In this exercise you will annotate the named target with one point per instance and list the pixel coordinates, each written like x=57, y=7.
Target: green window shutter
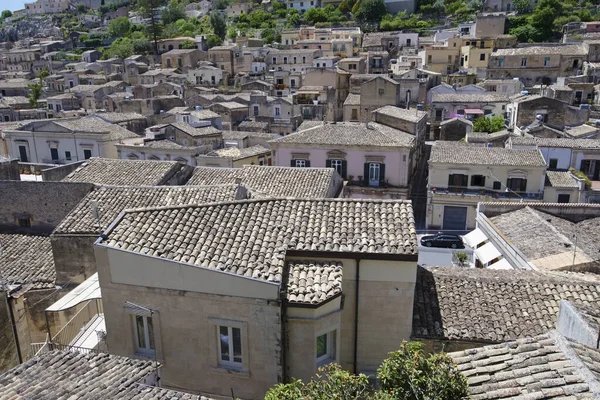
x=344, y=169
x=327, y=163
x=307, y=163
x=450, y=180
x=381, y=173
x=523, y=185
x=366, y=172
x=293, y=163
x=508, y=183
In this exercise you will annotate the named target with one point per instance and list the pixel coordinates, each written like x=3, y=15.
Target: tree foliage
x=346, y=5
x=35, y=93
x=188, y=44
x=403, y=21
x=119, y=27
x=293, y=17
x=370, y=11
x=122, y=48
x=5, y=14
x=218, y=24
x=522, y=6
x=221, y=4
x=407, y=374
x=173, y=12
x=213, y=40
x=488, y=124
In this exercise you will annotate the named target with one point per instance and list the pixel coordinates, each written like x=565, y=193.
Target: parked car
x=443, y=240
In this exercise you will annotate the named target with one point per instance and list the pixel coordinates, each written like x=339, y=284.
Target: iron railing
x=496, y=194
x=73, y=328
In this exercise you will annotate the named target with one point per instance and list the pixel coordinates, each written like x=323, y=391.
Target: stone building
x=250, y=321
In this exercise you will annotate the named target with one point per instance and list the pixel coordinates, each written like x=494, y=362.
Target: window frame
x=231, y=363
x=331, y=342
x=298, y=161
x=149, y=336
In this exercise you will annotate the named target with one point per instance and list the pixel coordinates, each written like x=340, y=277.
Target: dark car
x=443, y=240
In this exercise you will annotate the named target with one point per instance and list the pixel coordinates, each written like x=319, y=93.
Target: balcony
x=487, y=194
x=85, y=330
x=58, y=161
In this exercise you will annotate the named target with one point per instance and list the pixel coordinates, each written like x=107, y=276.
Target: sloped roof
x=461, y=154
x=235, y=153
x=274, y=181
x=561, y=179
x=349, y=134
x=259, y=233
x=64, y=375
x=27, y=259
x=492, y=305
x=105, y=171
x=540, y=367
x=313, y=282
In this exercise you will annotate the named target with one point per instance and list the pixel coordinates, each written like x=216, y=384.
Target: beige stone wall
x=186, y=334
x=386, y=293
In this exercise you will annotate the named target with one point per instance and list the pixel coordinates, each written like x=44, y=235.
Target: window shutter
x=307, y=163
x=366, y=173
x=344, y=168
x=381, y=173
x=327, y=163
x=523, y=185
x=450, y=179
x=483, y=181
x=508, y=183
x=293, y=163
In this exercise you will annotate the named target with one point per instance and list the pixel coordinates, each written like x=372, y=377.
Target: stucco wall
x=185, y=331
x=396, y=162
x=74, y=257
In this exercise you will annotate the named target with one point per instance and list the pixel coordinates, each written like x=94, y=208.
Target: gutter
x=14, y=328
x=357, y=283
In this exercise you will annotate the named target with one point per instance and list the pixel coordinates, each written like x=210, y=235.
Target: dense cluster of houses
x=207, y=223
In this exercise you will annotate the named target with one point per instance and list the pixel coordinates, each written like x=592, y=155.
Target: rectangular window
x=24, y=222
x=429, y=59
x=23, y=154
x=299, y=163
x=374, y=174
x=546, y=61
x=339, y=166
x=497, y=185
x=230, y=346
x=143, y=328
x=524, y=62
x=564, y=198
x=516, y=184
x=501, y=62
x=459, y=181
x=553, y=163
x=255, y=110
x=482, y=57
x=478, y=180
x=277, y=111
x=293, y=82
x=326, y=348
x=54, y=154
x=87, y=154
x=381, y=92
x=68, y=155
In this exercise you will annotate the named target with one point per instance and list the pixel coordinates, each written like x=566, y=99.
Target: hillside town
x=357, y=199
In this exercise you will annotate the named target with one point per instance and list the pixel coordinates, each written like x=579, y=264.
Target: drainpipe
x=284, y=307
x=357, y=282
x=13, y=324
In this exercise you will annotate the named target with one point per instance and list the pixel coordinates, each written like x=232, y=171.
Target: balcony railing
x=55, y=161
x=495, y=194
x=76, y=325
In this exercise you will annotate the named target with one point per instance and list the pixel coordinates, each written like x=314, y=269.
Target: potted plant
x=462, y=257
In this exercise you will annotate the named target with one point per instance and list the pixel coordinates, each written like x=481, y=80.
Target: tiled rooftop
x=460, y=154
x=483, y=97
x=111, y=200
x=68, y=375
x=105, y=171
x=401, y=113
x=195, y=132
x=26, y=259
x=252, y=237
x=561, y=179
x=565, y=50
x=493, y=305
x=274, y=181
x=557, y=142
x=313, y=282
x=349, y=134
x=236, y=153
x=540, y=367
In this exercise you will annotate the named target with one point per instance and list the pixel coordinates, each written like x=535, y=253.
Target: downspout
x=356, y=291
x=284, y=307
x=13, y=324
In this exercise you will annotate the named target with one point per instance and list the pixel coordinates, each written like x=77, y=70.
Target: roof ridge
x=582, y=369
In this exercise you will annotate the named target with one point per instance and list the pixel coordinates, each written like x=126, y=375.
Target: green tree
x=315, y=15
x=488, y=124
x=346, y=5
x=44, y=74
x=35, y=94
x=119, y=27
x=221, y=4
x=278, y=5
x=542, y=19
x=213, y=40
x=173, y=12
x=5, y=14
x=522, y=6
x=218, y=24
x=293, y=17
x=258, y=17
x=331, y=382
x=409, y=374
x=356, y=7
x=142, y=46
x=269, y=36
x=122, y=48
x=188, y=44
x=149, y=9
x=370, y=11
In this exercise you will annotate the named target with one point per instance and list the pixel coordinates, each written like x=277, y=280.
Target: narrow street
x=419, y=191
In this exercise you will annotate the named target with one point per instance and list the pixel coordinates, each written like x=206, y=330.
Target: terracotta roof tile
x=313, y=282
x=463, y=154
x=26, y=259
